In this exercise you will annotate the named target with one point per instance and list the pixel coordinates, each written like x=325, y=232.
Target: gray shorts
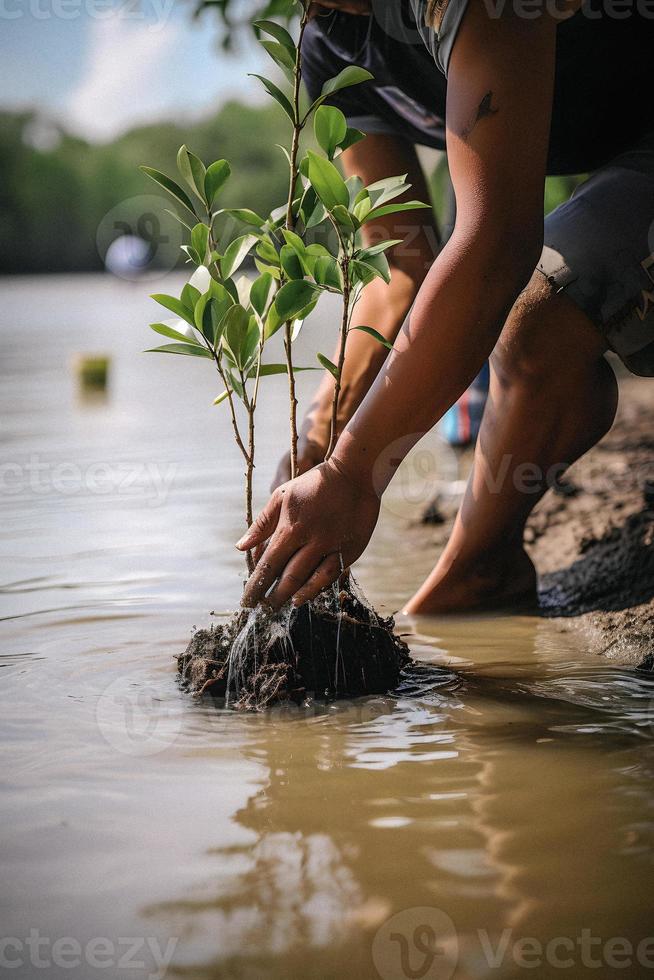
x=599, y=250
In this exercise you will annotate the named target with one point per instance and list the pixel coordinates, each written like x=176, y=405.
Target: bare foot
x=507, y=582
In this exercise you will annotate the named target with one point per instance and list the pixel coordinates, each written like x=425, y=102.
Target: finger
x=325, y=575
x=264, y=525
x=270, y=567
x=259, y=552
x=295, y=576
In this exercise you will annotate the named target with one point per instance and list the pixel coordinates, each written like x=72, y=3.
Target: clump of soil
x=333, y=647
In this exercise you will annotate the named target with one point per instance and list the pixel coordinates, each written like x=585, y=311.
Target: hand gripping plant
x=260, y=657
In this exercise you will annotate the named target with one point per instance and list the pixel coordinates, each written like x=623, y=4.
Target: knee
x=545, y=337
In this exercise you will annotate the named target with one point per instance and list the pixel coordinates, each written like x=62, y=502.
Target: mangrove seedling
x=228, y=319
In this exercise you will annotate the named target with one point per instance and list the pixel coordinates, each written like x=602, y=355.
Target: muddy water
x=493, y=819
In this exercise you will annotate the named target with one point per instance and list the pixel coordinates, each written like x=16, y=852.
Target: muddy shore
x=593, y=541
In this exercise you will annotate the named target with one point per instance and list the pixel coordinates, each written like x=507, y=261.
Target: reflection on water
x=495, y=815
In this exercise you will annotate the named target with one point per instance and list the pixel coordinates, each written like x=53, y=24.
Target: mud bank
x=594, y=546
x=593, y=541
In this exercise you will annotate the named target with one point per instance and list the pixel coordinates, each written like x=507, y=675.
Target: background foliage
x=53, y=198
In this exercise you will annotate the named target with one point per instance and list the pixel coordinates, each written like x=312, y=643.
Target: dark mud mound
x=615, y=571
x=333, y=647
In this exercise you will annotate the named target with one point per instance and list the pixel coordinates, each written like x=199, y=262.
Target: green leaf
x=190, y=296
x=354, y=186
x=379, y=263
x=267, y=251
x=261, y=293
x=394, y=209
x=293, y=297
x=176, y=216
x=377, y=335
x=352, y=75
x=200, y=240
x=236, y=324
x=294, y=240
x=348, y=222
x=245, y=215
x=192, y=170
x=327, y=273
x=269, y=270
x=277, y=95
x=383, y=191
x=365, y=253
x=281, y=57
x=362, y=206
x=167, y=331
x=349, y=76
x=365, y=272
x=329, y=365
x=232, y=289
x=192, y=350
x=210, y=313
x=217, y=175
x=279, y=33
x=291, y=263
x=327, y=182
x=169, y=185
x=273, y=322
x=330, y=128
x=249, y=350
x=221, y=302
x=267, y=370
x=317, y=250
x=192, y=254
x=175, y=306
x=235, y=255
x=352, y=136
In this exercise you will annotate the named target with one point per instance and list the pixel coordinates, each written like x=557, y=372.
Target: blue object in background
x=460, y=425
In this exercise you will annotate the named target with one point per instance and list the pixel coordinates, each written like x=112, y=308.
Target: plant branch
x=298, y=126
x=345, y=327
x=250, y=406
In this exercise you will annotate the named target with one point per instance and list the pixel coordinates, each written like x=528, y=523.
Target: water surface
x=492, y=819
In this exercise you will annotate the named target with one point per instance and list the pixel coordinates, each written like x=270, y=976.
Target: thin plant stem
x=298, y=126
x=249, y=452
x=345, y=326
x=250, y=406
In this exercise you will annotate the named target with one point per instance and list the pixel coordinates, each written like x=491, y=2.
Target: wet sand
x=594, y=548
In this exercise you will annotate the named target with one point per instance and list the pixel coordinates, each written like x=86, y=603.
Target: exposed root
x=333, y=647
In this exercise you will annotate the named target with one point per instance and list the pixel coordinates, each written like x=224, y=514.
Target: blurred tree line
x=56, y=188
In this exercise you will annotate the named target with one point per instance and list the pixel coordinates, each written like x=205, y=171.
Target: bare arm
x=382, y=306
x=498, y=119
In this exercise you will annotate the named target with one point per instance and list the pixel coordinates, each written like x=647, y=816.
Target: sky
x=101, y=66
